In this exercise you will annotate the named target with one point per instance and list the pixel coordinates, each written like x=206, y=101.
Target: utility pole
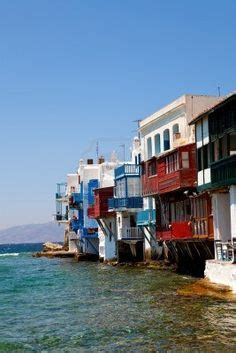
x=97, y=150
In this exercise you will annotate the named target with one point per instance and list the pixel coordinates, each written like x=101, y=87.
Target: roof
x=213, y=107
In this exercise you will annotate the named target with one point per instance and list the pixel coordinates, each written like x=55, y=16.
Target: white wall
x=124, y=222
x=232, y=193
x=107, y=245
x=221, y=216
x=72, y=183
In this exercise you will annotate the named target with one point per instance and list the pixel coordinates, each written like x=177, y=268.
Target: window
x=172, y=163
x=203, y=157
x=134, y=187
x=152, y=168
x=185, y=160
x=139, y=158
x=157, y=140
x=232, y=143
x=149, y=147
x=175, y=130
x=166, y=136
x=180, y=211
x=120, y=190
x=199, y=159
x=206, y=156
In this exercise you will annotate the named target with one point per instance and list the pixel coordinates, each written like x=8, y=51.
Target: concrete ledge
x=222, y=273
x=52, y=254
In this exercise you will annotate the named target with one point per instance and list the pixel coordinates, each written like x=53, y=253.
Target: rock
x=48, y=246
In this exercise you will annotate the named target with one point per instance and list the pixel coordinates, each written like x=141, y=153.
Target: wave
x=10, y=254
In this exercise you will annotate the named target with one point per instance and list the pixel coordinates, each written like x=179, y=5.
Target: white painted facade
x=181, y=111
x=107, y=243
x=221, y=216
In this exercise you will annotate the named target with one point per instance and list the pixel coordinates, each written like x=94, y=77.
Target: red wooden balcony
x=176, y=231
x=171, y=171
x=177, y=169
x=100, y=207
x=149, y=177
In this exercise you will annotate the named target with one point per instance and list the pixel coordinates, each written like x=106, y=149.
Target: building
x=169, y=181
x=98, y=210
x=125, y=204
x=216, y=163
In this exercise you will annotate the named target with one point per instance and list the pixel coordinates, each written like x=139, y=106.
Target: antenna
x=97, y=150
x=138, y=122
x=218, y=90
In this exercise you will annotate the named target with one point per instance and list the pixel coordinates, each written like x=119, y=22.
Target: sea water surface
x=59, y=305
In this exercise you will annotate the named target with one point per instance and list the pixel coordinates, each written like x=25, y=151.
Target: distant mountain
x=32, y=233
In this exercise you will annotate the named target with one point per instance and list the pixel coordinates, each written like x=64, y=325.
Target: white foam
x=9, y=254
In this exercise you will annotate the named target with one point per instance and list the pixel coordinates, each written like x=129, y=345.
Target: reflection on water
x=60, y=305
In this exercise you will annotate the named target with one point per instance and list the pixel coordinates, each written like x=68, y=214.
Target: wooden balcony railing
x=131, y=233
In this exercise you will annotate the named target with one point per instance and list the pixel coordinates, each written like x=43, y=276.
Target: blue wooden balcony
x=146, y=217
x=125, y=203
x=127, y=170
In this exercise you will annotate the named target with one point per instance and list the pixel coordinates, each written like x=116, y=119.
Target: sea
x=60, y=305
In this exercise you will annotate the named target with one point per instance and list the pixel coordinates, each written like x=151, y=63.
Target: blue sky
x=75, y=71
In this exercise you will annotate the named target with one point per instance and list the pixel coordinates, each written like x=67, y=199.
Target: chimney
x=101, y=160
x=89, y=161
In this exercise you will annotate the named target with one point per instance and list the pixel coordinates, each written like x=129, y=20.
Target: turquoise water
x=59, y=305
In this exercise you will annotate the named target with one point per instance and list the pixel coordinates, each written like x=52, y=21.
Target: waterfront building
x=216, y=163
x=98, y=210
x=125, y=203
x=169, y=181
x=72, y=200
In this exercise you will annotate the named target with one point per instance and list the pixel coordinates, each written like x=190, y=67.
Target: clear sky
x=74, y=71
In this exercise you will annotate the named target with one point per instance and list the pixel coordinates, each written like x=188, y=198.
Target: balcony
x=131, y=233
x=60, y=218
x=100, y=207
x=146, y=217
x=61, y=194
x=171, y=171
x=125, y=203
x=127, y=170
x=223, y=172
x=177, y=169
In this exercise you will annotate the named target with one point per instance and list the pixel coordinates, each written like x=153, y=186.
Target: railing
x=223, y=172
x=60, y=217
x=146, y=217
x=225, y=251
x=131, y=233
x=125, y=202
x=127, y=169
